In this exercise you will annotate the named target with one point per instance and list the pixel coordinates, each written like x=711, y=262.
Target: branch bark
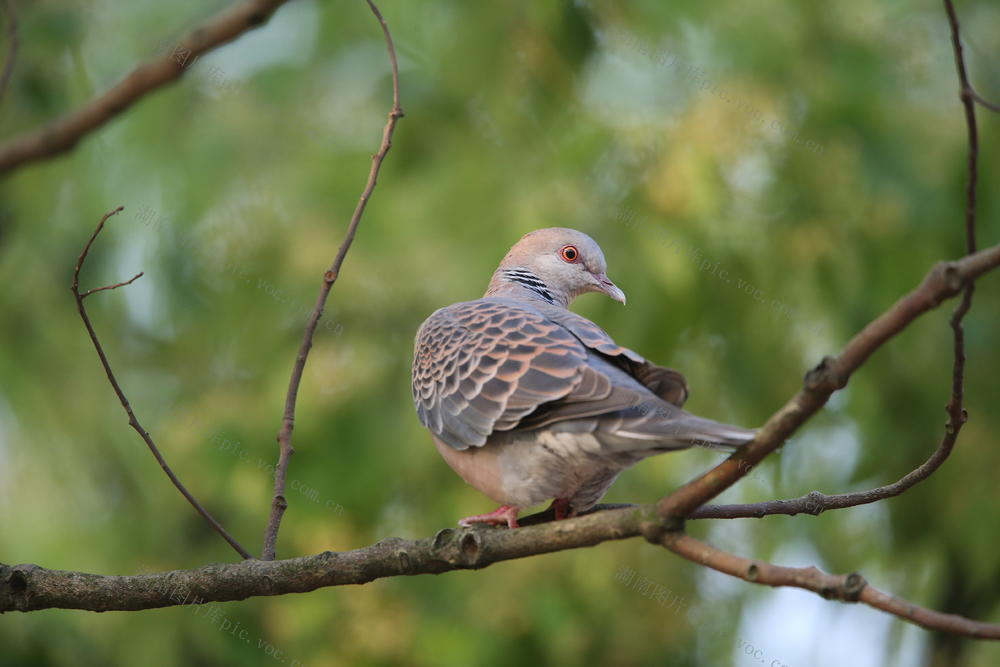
x=846, y=588
x=64, y=133
x=29, y=587
x=285, y=450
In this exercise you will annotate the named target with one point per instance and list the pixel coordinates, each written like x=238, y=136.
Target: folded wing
x=495, y=364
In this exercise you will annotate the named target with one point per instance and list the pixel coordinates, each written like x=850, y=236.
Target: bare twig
x=956, y=411
x=984, y=102
x=12, y=44
x=966, y=94
x=847, y=588
x=115, y=286
x=279, y=503
x=816, y=502
x=64, y=133
x=132, y=420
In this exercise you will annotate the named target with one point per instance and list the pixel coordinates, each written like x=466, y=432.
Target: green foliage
x=764, y=178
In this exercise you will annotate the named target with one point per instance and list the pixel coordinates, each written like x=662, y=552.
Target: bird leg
x=504, y=514
x=562, y=509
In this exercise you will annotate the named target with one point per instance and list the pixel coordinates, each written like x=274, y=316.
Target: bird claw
x=505, y=514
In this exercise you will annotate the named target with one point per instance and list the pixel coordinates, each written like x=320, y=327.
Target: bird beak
x=605, y=285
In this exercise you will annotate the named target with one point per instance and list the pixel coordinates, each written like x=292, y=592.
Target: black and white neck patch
x=526, y=278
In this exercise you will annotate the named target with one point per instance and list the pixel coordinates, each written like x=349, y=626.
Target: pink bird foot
x=504, y=514
x=561, y=508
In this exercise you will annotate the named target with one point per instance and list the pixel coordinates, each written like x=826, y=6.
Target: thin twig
x=132, y=420
x=967, y=95
x=847, y=588
x=285, y=449
x=12, y=44
x=956, y=412
x=115, y=286
x=63, y=134
x=984, y=102
x=816, y=503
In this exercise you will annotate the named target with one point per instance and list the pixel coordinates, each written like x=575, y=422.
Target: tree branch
x=984, y=102
x=968, y=96
x=816, y=503
x=132, y=419
x=943, y=281
x=64, y=133
x=285, y=449
x=957, y=415
x=846, y=588
x=116, y=285
x=29, y=587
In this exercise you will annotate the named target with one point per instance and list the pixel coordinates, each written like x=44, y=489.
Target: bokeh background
x=764, y=179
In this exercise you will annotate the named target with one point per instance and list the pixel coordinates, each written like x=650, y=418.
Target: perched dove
x=529, y=401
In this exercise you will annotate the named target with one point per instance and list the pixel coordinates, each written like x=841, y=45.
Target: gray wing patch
x=482, y=366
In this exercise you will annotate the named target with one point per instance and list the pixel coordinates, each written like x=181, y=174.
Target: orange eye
x=570, y=253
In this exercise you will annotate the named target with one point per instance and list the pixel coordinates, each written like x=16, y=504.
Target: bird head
x=556, y=264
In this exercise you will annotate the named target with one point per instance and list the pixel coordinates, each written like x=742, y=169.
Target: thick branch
x=943, y=281
x=847, y=588
x=133, y=421
x=64, y=133
x=285, y=449
x=29, y=587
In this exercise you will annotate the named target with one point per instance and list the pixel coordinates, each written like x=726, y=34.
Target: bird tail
x=679, y=430
x=700, y=432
